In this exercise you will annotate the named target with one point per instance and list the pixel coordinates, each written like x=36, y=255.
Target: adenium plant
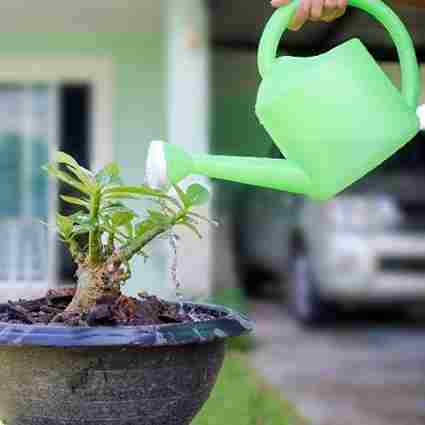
x=105, y=234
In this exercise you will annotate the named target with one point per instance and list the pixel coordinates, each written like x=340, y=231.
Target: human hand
x=314, y=10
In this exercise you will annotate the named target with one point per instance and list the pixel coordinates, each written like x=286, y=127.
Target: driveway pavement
x=356, y=373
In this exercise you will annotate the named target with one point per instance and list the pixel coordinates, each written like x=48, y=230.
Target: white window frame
x=98, y=72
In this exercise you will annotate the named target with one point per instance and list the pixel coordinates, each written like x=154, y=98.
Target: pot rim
x=229, y=324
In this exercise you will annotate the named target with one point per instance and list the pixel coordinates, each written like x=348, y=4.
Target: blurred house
x=99, y=80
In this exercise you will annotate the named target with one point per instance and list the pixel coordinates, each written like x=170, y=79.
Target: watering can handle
x=280, y=20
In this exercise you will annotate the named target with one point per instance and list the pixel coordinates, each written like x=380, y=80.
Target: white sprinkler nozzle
x=421, y=114
x=156, y=165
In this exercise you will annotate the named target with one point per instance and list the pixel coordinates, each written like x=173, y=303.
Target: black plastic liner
x=228, y=323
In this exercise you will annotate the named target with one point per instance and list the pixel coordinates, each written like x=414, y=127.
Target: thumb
x=278, y=3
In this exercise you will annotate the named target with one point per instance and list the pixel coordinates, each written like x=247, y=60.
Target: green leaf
x=64, y=158
x=88, y=181
x=83, y=219
x=106, y=204
x=158, y=218
x=112, y=170
x=109, y=206
x=182, y=196
x=65, y=225
x=197, y=194
x=109, y=229
x=134, y=190
x=76, y=201
x=117, y=213
x=137, y=192
x=121, y=196
x=129, y=229
x=144, y=226
x=110, y=174
x=66, y=178
x=121, y=218
x=84, y=175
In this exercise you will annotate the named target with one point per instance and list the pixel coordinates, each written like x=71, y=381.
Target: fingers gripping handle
x=280, y=20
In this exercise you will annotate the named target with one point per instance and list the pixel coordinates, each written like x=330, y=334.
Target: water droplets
x=173, y=240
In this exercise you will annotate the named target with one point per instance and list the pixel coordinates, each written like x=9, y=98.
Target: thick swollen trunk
x=106, y=278
x=94, y=282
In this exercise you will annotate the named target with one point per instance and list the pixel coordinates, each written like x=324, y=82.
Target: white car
x=365, y=246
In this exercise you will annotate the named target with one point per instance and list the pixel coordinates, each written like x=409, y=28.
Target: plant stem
x=73, y=248
x=110, y=246
x=94, y=235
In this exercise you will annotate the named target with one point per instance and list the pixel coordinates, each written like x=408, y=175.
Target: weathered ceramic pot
x=148, y=375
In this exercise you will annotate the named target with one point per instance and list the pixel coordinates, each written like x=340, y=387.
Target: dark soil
x=108, y=311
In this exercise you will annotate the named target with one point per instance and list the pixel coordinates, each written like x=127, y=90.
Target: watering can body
x=337, y=117
x=334, y=117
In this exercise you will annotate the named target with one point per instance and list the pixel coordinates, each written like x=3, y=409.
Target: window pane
x=11, y=143
x=24, y=125
x=39, y=153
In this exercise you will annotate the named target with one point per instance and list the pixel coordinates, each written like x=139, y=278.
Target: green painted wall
x=139, y=100
x=235, y=129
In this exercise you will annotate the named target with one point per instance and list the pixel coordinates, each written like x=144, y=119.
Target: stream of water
x=173, y=241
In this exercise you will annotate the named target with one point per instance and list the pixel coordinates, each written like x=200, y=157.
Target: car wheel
x=253, y=279
x=306, y=304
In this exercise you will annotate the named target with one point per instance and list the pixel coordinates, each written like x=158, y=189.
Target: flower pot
x=145, y=375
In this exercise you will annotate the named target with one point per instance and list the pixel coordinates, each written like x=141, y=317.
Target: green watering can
x=335, y=116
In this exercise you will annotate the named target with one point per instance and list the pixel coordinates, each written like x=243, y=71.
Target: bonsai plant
x=94, y=355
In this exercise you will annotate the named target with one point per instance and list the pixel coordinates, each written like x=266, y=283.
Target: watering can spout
x=168, y=164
